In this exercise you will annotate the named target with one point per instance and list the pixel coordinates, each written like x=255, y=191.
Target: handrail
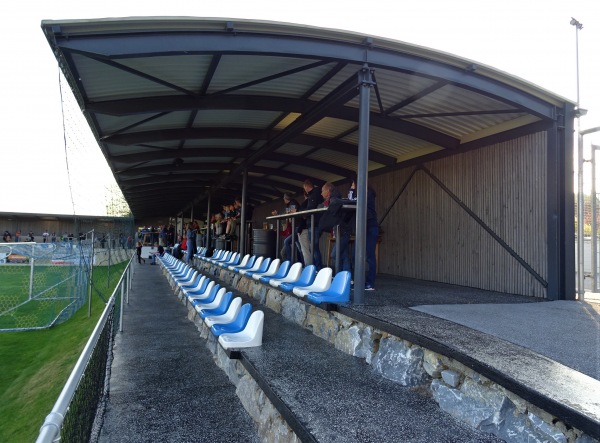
x=51, y=427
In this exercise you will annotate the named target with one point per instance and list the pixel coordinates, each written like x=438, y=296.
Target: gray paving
x=164, y=384
x=565, y=331
x=335, y=397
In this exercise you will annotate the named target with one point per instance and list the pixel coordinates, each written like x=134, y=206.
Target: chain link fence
x=46, y=283
x=76, y=415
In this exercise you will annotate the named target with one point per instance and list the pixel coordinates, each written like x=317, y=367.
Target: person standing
x=291, y=206
x=371, y=235
x=138, y=251
x=18, y=235
x=190, y=235
x=311, y=255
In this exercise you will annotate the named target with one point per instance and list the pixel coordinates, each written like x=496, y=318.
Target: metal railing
x=73, y=415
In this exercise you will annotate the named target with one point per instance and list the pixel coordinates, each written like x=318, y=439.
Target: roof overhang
x=182, y=106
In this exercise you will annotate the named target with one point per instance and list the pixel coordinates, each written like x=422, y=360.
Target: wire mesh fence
x=75, y=415
x=46, y=283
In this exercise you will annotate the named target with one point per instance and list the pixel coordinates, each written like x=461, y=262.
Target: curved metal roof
x=182, y=106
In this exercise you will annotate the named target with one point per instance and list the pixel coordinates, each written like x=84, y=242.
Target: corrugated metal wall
x=429, y=236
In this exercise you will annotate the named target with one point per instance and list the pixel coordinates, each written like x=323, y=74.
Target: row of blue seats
x=317, y=287
x=235, y=325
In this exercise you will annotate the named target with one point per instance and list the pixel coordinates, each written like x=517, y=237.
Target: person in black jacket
x=334, y=216
x=311, y=255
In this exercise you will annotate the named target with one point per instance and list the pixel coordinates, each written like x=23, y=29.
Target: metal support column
x=208, y=224
x=243, y=218
x=594, y=223
x=365, y=82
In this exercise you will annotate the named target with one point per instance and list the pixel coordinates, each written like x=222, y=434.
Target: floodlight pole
x=580, y=200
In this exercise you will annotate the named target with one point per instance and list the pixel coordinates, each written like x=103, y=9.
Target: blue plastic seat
x=257, y=264
x=281, y=272
x=248, y=265
x=306, y=278
x=338, y=292
x=249, y=337
x=219, y=310
x=202, y=295
x=237, y=325
x=199, y=289
x=210, y=298
x=234, y=259
x=263, y=268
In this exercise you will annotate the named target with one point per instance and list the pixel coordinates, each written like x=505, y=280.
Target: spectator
x=7, y=237
x=45, y=236
x=160, y=251
x=192, y=230
x=311, y=254
x=291, y=206
x=18, y=235
x=138, y=251
x=31, y=236
x=334, y=217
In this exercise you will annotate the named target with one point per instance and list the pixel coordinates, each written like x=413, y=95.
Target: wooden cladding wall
x=429, y=236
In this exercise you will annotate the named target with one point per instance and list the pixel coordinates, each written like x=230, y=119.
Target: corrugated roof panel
x=103, y=82
x=389, y=142
x=217, y=143
x=236, y=70
x=395, y=87
x=235, y=118
x=310, y=172
x=451, y=99
x=171, y=120
x=465, y=126
x=188, y=74
x=294, y=149
x=269, y=164
x=337, y=158
x=294, y=85
x=287, y=120
x=346, y=72
x=330, y=127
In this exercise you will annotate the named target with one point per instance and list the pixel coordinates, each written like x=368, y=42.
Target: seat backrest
x=341, y=283
x=255, y=324
x=263, y=265
x=241, y=320
x=199, y=283
x=294, y=273
x=213, y=294
x=208, y=289
x=219, y=296
x=323, y=278
x=222, y=299
x=225, y=256
x=307, y=276
x=249, y=264
x=232, y=258
x=283, y=269
x=234, y=307
x=256, y=266
x=272, y=269
x=244, y=260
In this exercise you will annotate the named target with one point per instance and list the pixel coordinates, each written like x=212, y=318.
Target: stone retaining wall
x=458, y=390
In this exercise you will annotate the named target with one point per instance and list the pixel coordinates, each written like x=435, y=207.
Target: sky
x=530, y=39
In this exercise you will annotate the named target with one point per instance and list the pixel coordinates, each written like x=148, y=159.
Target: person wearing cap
x=312, y=255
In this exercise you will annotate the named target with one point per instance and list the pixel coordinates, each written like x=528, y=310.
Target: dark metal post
x=243, y=233
x=293, y=245
x=338, y=246
x=365, y=82
x=208, y=224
